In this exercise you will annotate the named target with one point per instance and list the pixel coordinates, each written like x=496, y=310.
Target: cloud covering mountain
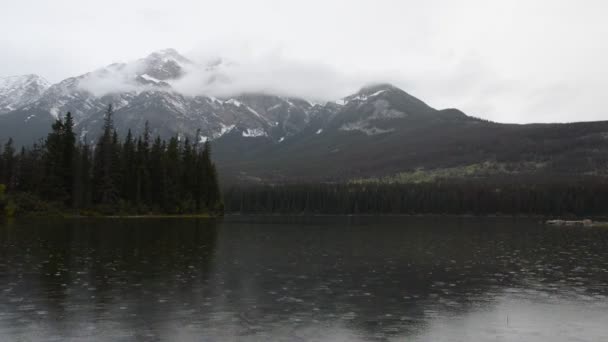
x=515, y=61
x=225, y=75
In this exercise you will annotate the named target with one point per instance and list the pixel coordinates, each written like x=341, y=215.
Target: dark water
x=302, y=279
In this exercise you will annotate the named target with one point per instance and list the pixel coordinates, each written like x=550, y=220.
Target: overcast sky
x=509, y=61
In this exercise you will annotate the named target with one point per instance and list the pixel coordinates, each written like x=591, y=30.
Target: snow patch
x=19, y=91
x=212, y=99
x=363, y=127
x=255, y=132
x=123, y=103
x=150, y=78
x=282, y=138
x=254, y=112
x=363, y=97
x=319, y=131
x=54, y=112
x=377, y=93
x=223, y=130
x=234, y=102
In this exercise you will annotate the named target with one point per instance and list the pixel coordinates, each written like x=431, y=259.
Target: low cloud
x=233, y=71
x=115, y=78
x=271, y=74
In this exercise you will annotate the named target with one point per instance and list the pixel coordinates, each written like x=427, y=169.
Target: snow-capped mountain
x=142, y=91
x=377, y=131
x=149, y=90
x=18, y=91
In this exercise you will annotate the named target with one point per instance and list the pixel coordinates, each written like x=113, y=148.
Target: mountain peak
x=23, y=79
x=165, y=64
x=377, y=87
x=369, y=92
x=17, y=91
x=168, y=55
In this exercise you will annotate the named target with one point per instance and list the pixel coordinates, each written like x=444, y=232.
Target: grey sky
x=510, y=61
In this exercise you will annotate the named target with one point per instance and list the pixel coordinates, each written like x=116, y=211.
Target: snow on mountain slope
x=145, y=90
x=17, y=91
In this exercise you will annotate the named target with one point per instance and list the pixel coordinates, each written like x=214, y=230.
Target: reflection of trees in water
x=153, y=277
x=391, y=277
x=87, y=271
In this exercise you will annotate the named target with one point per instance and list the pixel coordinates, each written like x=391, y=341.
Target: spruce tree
x=68, y=158
x=129, y=170
x=54, y=183
x=7, y=164
x=157, y=174
x=104, y=170
x=163, y=176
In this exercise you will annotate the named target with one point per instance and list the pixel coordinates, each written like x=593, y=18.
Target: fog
x=516, y=61
x=230, y=71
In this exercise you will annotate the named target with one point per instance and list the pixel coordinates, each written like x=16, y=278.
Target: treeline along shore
x=135, y=176
x=585, y=197
x=154, y=177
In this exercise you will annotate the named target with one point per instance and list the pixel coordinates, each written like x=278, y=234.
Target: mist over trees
x=137, y=175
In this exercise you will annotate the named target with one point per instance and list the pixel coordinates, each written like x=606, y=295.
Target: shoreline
x=115, y=216
x=588, y=221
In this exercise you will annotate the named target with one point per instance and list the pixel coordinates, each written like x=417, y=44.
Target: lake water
x=302, y=279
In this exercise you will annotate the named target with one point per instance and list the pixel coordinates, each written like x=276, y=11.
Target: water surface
x=302, y=279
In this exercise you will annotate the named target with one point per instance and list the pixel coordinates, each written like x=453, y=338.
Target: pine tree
x=68, y=158
x=166, y=176
x=143, y=183
x=7, y=165
x=129, y=170
x=157, y=174
x=172, y=176
x=208, y=185
x=188, y=176
x=104, y=170
x=54, y=183
x=82, y=177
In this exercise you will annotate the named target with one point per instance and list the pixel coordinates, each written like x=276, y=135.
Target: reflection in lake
x=302, y=279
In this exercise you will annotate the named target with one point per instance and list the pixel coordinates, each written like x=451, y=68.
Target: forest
x=134, y=175
x=584, y=197
x=143, y=176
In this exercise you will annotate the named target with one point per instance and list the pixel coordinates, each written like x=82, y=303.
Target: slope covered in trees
x=136, y=175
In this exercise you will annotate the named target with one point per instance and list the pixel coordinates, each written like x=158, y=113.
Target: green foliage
x=22, y=203
x=114, y=178
x=480, y=170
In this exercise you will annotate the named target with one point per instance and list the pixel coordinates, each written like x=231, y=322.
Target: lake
x=302, y=279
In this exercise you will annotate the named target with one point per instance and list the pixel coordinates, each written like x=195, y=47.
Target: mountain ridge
x=378, y=131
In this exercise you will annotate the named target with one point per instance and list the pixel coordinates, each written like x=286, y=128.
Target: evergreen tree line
x=577, y=198
x=134, y=175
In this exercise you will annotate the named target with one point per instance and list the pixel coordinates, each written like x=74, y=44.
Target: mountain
x=142, y=91
x=18, y=91
x=380, y=131
x=384, y=132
